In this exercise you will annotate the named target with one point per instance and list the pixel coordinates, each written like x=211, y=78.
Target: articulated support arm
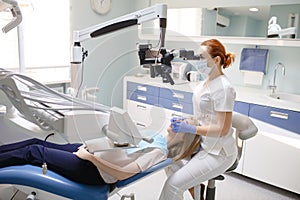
x=158, y=11
x=78, y=54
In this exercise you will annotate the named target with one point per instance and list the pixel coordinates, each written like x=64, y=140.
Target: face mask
x=202, y=67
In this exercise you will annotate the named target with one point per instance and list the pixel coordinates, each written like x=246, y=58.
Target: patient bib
x=159, y=141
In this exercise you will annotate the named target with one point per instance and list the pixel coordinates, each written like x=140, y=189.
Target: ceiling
x=262, y=14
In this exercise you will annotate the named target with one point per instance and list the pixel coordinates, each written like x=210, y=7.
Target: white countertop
x=244, y=94
x=146, y=79
x=261, y=97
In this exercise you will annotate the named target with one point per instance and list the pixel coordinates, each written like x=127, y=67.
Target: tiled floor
x=237, y=187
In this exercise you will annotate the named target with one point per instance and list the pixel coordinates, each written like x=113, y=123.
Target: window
x=8, y=44
x=44, y=33
x=185, y=21
x=180, y=22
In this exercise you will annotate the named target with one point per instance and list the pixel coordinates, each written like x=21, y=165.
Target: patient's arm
x=119, y=172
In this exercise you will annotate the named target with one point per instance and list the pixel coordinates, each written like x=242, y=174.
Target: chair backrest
x=244, y=129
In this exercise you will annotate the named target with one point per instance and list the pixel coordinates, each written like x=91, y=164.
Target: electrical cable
x=13, y=196
x=84, y=55
x=44, y=166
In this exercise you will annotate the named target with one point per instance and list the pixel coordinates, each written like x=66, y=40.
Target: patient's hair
x=183, y=147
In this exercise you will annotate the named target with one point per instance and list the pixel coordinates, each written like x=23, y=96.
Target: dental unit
x=49, y=112
x=35, y=110
x=275, y=30
x=29, y=175
x=38, y=111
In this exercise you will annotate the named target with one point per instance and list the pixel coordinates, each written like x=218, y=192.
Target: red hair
x=215, y=48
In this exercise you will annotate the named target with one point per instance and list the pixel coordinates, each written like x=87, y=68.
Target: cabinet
x=286, y=119
x=273, y=155
x=152, y=105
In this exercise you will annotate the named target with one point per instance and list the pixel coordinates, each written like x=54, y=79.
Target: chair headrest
x=244, y=126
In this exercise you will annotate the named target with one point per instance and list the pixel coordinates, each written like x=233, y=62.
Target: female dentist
x=213, y=103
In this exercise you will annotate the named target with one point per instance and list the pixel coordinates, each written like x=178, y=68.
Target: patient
x=73, y=161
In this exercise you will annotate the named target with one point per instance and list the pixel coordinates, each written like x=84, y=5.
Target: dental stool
x=244, y=129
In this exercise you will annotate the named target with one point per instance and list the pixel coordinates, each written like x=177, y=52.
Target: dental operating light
x=14, y=8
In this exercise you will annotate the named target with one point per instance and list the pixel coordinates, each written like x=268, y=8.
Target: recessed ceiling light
x=253, y=9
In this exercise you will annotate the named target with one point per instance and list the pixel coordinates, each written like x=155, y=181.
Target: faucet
x=273, y=86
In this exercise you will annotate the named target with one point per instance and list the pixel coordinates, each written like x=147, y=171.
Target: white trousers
x=202, y=167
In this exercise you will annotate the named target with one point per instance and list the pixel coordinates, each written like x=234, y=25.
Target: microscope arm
x=135, y=18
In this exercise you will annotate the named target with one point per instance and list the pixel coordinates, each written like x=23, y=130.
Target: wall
x=111, y=56
x=208, y=22
x=287, y=55
x=114, y=56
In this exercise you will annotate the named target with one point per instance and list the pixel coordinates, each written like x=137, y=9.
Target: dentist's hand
x=182, y=127
x=176, y=119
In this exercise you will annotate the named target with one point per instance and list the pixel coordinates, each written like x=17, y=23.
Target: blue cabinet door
x=176, y=95
x=241, y=107
x=178, y=105
x=142, y=93
x=286, y=119
x=176, y=100
x=142, y=88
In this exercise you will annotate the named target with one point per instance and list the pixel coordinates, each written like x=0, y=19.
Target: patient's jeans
x=59, y=158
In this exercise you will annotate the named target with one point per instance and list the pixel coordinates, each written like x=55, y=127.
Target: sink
x=286, y=97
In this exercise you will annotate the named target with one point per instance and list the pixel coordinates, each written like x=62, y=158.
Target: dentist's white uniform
x=218, y=153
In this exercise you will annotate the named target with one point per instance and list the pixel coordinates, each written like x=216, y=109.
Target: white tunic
x=217, y=96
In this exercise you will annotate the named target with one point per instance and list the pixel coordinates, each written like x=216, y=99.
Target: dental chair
x=36, y=106
x=52, y=182
x=32, y=176
x=244, y=130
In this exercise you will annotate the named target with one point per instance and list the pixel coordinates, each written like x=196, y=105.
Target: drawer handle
x=178, y=106
x=141, y=107
x=176, y=115
x=142, y=88
x=141, y=125
x=279, y=115
x=179, y=96
x=142, y=98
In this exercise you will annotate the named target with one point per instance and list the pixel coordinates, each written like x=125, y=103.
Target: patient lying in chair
x=74, y=161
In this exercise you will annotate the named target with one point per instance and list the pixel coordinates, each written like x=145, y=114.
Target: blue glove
x=182, y=127
x=175, y=119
